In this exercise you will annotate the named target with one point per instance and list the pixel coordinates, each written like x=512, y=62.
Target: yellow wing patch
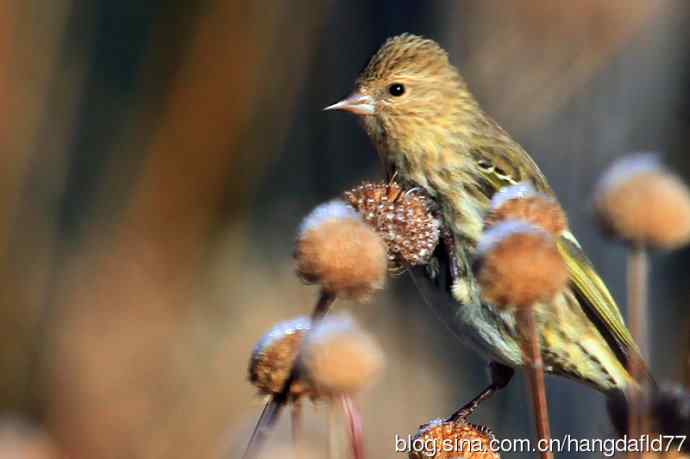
x=595, y=298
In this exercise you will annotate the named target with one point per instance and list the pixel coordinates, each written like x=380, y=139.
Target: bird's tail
x=666, y=407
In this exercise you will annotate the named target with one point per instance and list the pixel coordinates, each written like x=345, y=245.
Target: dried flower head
x=404, y=219
x=274, y=355
x=520, y=265
x=639, y=201
x=336, y=249
x=522, y=202
x=339, y=357
x=442, y=439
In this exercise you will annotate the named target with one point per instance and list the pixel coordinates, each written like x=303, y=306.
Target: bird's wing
x=595, y=298
x=497, y=169
x=502, y=162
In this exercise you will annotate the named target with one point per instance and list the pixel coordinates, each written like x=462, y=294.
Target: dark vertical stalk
x=638, y=281
x=534, y=365
x=354, y=425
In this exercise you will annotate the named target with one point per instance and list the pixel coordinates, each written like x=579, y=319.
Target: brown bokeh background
x=159, y=156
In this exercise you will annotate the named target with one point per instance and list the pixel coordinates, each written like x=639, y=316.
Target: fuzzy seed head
x=340, y=358
x=404, y=220
x=640, y=202
x=451, y=440
x=274, y=356
x=336, y=249
x=521, y=202
x=520, y=265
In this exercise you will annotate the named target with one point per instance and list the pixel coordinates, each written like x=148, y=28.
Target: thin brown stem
x=534, y=365
x=686, y=363
x=354, y=424
x=296, y=425
x=637, y=279
x=271, y=412
x=333, y=430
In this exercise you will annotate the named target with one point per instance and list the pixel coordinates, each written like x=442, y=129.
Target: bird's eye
x=396, y=89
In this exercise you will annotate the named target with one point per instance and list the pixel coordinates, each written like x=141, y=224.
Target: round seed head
x=404, y=219
x=442, y=439
x=641, y=202
x=519, y=265
x=521, y=202
x=336, y=249
x=274, y=356
x=338, y=357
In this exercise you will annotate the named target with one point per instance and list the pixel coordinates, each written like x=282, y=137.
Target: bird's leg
x=500, y=377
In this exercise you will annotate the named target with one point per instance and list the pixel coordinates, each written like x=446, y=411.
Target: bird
x=431, y=133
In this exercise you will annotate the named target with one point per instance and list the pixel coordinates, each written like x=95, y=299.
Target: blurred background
x=159, y=156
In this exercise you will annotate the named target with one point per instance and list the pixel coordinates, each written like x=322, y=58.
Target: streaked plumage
x=434, y=135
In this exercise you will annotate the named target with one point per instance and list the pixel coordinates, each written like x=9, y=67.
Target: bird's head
x=409, y=97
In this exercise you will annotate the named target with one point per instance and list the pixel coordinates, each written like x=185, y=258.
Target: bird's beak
x=357, y=103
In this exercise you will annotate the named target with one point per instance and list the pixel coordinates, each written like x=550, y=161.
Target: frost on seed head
x=504, y=230
x=630, y=166
x=520, y=190
x=279, y=332
x=272, y=359
x=332, y=210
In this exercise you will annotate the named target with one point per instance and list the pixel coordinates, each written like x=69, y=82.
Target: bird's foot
x=500, y=377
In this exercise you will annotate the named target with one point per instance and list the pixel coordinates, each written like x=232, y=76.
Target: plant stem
x=354, y=424
x=296, y=425
x=333, y=430
x=271, y=411
x=638, y=281
x=534, y=365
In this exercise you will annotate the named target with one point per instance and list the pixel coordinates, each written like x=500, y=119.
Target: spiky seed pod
x=519, y=265
x=442, y=439
x=641, y=202
x=336, y=249
x=404, y=219
x=340, y=358
x=274, y=356
x=522, y=202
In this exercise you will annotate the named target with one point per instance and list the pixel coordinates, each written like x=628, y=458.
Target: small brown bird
x=431, y=133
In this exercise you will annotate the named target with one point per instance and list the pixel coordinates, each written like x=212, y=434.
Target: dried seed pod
x=639, y=201
x=338, y=250
x=519, y=265
x=338, y=357
x=404, y=219
x=443, y=439
x=274, y=356
x=523, y=202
